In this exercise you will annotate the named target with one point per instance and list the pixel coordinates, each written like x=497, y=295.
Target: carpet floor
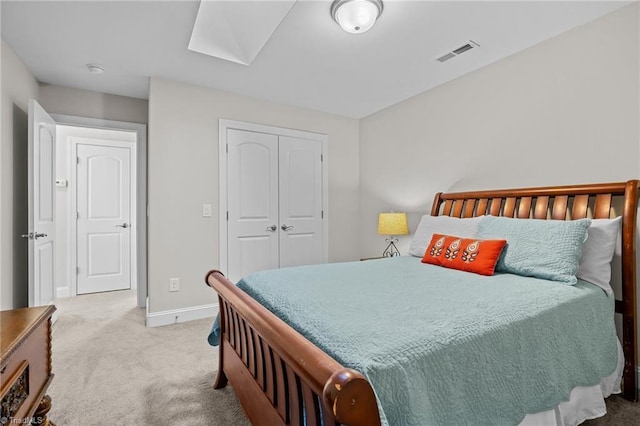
x=110, y=369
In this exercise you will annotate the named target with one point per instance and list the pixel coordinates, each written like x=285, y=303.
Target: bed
x=281, y=377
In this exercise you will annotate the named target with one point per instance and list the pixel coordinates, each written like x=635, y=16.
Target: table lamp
x=392, y=224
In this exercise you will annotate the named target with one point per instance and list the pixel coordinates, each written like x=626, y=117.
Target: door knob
x=271, y=228
x=286, y=228
x=33, y=236
x=124, y=225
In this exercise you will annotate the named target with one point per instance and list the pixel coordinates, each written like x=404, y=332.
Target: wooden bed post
x=629, y=289
x=351, y=398
x=221, y=378
x=435, y=207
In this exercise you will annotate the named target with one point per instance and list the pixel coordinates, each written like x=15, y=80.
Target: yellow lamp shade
x=393, y=224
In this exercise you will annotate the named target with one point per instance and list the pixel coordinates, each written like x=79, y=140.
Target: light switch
x=206, y=210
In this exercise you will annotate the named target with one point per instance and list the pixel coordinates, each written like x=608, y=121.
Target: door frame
x=73, y=199
x=224, y=126
x=141, y=207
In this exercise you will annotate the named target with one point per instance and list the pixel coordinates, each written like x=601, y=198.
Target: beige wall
x=18, y=86
x=183, y=175
x=563, y=111
x=85, y=103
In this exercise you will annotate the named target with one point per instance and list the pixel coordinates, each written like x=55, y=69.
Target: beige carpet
x=112, y=370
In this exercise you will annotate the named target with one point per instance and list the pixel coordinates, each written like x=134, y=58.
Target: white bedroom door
x=274, y=202
x=41, y=191
x=104, y=225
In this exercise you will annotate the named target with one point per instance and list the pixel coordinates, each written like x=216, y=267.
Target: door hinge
x=227, y=148
x=321, y=214
x=77, y=215
x=77, y=270
x=77, y=160
x=321, y=158
x=227, y=215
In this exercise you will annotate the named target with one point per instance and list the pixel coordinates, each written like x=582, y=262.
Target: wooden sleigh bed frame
x=281, y=378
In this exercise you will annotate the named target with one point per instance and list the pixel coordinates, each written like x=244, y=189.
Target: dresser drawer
x=25, y=374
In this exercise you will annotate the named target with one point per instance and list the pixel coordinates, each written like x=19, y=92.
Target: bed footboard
x=278, y=375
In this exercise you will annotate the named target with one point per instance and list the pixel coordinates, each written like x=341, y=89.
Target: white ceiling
x=308, y=61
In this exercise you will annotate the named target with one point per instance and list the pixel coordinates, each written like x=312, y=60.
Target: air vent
x=458, y=51
x=446, y=57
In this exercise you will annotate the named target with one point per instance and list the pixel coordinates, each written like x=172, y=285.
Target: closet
x=274, y=194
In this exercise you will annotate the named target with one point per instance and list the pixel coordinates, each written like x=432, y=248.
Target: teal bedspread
x=444, y=347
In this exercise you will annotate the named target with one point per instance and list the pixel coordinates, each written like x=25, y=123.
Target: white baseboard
x=174, y=316
x=62, y=292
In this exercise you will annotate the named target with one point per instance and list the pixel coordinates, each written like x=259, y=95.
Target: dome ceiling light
x=356, y=16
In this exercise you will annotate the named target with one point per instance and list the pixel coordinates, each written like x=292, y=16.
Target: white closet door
x=300, y=170
x=252, y=179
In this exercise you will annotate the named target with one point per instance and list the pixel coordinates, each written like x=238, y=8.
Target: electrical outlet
x=174, y=284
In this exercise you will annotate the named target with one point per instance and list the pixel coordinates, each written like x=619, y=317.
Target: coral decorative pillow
x=464, y=254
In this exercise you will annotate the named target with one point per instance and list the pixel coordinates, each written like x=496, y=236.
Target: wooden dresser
x=25, y=365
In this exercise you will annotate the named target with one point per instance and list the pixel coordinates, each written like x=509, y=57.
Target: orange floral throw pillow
x=464, y=254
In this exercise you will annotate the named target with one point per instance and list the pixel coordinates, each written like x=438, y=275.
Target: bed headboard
x=597, y=201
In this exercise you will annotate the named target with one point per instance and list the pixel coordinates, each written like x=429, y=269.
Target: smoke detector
x=95, y=69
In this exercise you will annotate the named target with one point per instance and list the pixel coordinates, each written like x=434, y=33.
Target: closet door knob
x=286, y=228
x=272, y=228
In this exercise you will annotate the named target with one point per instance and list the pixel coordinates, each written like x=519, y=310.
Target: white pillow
x=429, y=225
x=597, y=252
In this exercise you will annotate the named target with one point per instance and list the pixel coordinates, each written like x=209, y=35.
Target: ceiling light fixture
x=356, y=16
x=95, y=69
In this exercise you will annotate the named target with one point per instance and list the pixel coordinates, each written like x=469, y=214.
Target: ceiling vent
x=458, y=51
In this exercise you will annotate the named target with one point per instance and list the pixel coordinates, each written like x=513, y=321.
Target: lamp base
x=391, y=250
